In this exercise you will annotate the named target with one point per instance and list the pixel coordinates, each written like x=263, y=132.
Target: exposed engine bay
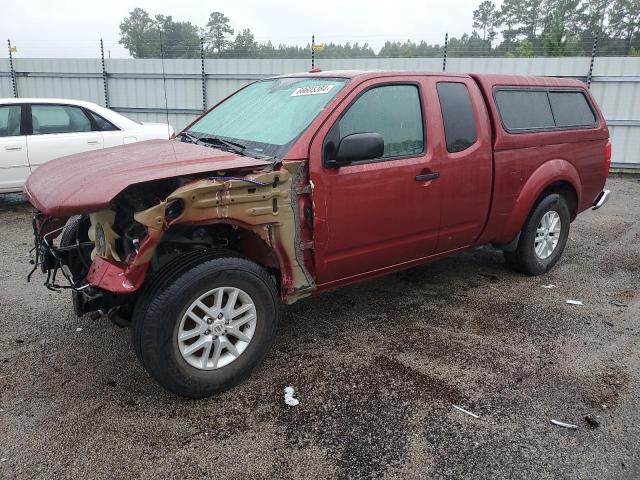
x=105, y=257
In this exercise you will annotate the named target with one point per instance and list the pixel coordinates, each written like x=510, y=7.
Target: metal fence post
x=594, y=49
x=104, y=76
x=204, y=76
x=313, y=52
x=13, y=72
x=444, y=55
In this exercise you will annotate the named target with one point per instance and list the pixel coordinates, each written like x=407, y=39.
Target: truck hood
x=87, y=182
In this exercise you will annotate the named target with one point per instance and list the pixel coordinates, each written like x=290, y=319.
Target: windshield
x=267, y=116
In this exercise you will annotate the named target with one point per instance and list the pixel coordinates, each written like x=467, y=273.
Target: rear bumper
x=601, y=199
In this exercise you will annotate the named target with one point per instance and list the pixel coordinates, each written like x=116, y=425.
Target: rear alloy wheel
x=205, y=328
x=547, y=234
x=543, y=237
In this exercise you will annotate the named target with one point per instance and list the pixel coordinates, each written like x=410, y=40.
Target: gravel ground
x=376, y=366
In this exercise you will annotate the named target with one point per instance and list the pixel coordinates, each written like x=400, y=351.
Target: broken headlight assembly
x=100, y=241
x=173, y=209
x=102, y=234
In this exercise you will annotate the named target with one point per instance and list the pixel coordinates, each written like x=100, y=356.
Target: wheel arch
x=250, y=242
x=554, y=176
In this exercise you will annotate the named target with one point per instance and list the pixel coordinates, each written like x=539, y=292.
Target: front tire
x=208, y=327
x=76, y=232
x=543, y=237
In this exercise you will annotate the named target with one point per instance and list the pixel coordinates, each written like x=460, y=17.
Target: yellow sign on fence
x=14, y=49
x=317, y=47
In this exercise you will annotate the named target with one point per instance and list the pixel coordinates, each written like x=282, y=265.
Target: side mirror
x=357, y=147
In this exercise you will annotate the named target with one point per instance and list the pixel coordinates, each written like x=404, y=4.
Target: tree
x=532, y=18
x=218, y=31
x=522, y=18
x=486, y=19
x=593, y=16
x=179, y=39
x=524, y=49
x=555, y=39
x=140, y=35
x=624, y=20
x=245, y=45
x=569, y=13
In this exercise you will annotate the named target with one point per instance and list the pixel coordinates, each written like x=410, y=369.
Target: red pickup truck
x=298, y=184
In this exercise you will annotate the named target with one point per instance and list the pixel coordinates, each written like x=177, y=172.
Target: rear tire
x=542, y=238
x=162, y=338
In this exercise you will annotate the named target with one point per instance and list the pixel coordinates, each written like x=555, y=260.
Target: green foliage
x=520, y=28
x=142, y=35
x=524, y=49
x=244, y=44
x=486, y=19
x=139, y=34
x=217, y=33
x=557, y=42
x=624, y=21
x=408, y=49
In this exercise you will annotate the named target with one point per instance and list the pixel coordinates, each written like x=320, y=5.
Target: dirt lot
x=376, y=366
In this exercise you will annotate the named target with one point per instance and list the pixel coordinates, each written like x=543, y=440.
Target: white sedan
x=36, y=130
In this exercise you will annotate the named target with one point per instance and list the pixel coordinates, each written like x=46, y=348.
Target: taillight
x=607, y=159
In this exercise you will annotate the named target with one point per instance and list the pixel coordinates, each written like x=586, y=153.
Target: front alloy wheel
x=206, y=325
x=216, y=328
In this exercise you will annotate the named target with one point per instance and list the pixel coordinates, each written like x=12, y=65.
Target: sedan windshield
x=268, y=116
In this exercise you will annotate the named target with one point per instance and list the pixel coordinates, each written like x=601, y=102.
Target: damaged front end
x=114, y=251
x=68, y=263
x=52, y=259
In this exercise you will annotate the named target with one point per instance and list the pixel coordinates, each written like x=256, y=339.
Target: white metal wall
x=136, y=87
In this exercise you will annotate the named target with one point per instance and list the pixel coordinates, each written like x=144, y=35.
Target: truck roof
x=489, y=80
x=486, y=80
x=363, y=74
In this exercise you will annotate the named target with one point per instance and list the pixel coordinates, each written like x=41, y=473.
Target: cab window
x=393, y=111
x=457, y=115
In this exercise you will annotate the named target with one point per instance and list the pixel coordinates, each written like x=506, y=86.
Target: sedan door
x=112, y=136
x=14, y=163
x=59, y=130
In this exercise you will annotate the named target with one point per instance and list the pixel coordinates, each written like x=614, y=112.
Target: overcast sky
x=69, y=28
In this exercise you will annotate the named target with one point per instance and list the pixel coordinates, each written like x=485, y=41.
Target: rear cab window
x=571, y=109
x=543, y=109
x=457, y=116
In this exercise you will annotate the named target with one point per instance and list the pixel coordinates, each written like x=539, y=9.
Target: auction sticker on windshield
x=312, y=90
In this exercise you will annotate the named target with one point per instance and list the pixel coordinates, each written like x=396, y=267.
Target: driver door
x=376, y=215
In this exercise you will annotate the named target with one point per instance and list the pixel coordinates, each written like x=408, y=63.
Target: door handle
x=13, y=149
x=93, y=142
x=424, y=177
